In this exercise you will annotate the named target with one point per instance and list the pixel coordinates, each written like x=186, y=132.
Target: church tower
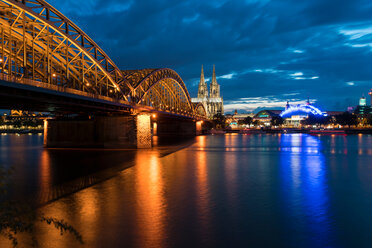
x=203, y=88
x=213, y=102
x=214, y=87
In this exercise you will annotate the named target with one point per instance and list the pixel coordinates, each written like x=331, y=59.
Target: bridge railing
x=59, y=88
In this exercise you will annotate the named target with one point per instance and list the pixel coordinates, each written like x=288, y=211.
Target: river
x=262, y=190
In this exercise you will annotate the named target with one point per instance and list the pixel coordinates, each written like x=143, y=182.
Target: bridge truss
x=40, y=45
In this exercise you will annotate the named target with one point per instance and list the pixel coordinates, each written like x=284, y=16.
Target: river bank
x=299, y=130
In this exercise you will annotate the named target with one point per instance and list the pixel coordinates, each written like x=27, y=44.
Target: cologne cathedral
x=212, y=101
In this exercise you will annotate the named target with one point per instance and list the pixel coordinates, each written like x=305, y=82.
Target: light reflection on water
x=151, y=205
x=288, y=190
x=305, y=192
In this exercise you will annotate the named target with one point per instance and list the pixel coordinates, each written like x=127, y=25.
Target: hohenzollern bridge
x=49, y=64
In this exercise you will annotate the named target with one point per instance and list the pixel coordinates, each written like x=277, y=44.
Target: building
x=242, y=116
x=362, y=101
x=363, y=110
x=265, y=116
x=212, y=101
x=234, y=120
x=295, y=114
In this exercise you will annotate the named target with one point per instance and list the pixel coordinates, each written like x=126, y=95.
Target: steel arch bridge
x=41, y=47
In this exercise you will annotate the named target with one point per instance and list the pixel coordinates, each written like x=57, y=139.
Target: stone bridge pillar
x=132, y=131
x=143, y=131
x=170, y=127
x=199, y=127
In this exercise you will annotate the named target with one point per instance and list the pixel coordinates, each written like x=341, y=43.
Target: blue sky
x=265, y=51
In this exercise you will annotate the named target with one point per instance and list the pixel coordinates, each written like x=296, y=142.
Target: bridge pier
x=170, y=127
x=132, y=131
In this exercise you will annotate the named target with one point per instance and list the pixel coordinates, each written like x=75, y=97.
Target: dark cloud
x=317, y=48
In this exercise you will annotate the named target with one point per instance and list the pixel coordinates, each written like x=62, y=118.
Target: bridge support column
x=174, y=127
x=143, y=131
x=120, y=131
x=199, y=127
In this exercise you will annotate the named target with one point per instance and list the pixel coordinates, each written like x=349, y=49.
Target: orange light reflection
x=150, y=199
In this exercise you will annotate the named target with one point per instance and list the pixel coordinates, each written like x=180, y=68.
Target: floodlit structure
x=43, y=48
x=212, y=101
x=363, y=110
x=294, y=114
x=362, y=101
x=265, y=116
x=47, y=63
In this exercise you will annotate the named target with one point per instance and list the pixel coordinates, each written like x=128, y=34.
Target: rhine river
x=280, y=190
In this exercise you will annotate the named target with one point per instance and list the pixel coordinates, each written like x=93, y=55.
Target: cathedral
x=211, y=99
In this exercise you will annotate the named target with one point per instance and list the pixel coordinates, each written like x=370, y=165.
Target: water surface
x=292, y=190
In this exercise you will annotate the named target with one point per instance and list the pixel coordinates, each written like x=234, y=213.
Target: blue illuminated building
x=294, y=114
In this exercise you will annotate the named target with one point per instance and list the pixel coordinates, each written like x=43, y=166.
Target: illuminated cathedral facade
x=212, y=101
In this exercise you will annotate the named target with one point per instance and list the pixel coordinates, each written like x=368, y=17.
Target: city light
x=309, y=109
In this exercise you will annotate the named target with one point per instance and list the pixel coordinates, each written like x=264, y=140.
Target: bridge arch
x=200, y=110
x=41, y=44
x=162, y=89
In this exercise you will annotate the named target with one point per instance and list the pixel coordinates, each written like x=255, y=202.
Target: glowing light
x=302, y=108
x=88, y=84
x=54, y=75
x=143, y=131
x=155, y=129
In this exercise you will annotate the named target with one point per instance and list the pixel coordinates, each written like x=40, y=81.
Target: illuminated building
x=265, y=116
x=22, y=120
x=21, y=115
x=243, y=116
x=233, y=120
x=362, y=110
x=294, y=114
x=212, y=101
x=362, y=101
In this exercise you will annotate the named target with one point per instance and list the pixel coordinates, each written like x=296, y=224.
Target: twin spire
x=211, y=99
x=202, y=79
x=214, y=87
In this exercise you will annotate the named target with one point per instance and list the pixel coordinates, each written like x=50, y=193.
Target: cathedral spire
x=202, y=80
x=214, y=79
x=214, y=89
x=203, y=88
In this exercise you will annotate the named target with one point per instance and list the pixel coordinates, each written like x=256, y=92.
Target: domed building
x=294, y=114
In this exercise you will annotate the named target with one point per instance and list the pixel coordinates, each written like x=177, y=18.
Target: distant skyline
x=265, y=52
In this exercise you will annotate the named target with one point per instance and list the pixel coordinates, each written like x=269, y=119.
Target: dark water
x=292, y=190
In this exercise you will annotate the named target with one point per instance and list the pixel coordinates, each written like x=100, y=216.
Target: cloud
x=254, y=104
x=259, y=47
x=297, y=74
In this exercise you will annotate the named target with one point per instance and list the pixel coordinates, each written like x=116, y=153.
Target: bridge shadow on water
x=40, y=176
